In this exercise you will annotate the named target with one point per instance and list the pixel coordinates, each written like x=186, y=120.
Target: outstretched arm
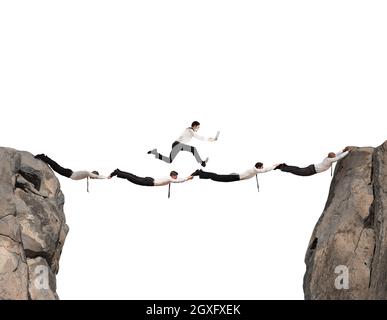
x=340, y=155
x=96, y=176
x=180, y=180
x=201, y=138
x=346, y=149
x=267, y=169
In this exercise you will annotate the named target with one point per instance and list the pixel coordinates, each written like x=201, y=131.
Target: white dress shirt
x=79, y=175
x=327, y=162
x=167, y=180
x=253, y=171
x=188, y=134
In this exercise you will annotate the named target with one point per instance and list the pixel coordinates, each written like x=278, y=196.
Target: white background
x=96, y=84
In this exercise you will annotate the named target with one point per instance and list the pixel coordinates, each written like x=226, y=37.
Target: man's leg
x=147, y=181
x=194, y=151
x=218, y=177
x=161, y=157
x=55, y=166
x=172, y=154
x=307, y=171
x=176, y=148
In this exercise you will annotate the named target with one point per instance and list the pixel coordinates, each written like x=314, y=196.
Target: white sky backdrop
x=96, y=84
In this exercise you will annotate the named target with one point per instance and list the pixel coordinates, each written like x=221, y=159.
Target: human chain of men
x=181, y=144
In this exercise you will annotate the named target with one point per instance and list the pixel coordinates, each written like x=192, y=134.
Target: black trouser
x=147, y=181
x=308, y=171
x=219, y=177
x=176, y=148
x=56, y=167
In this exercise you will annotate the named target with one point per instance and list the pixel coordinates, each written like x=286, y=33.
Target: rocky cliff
x=347, y=254
x=32, y=227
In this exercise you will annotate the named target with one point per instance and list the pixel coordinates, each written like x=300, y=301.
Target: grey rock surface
x=347, y=253
x=32, y=227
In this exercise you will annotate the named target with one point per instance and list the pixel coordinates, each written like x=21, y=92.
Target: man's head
x=195, y=125
x=331, y=155
x=174, y=175
x=259, y=165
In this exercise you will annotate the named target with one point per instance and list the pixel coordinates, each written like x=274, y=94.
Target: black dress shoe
x=279, y=167
x=114, y=173
x=40, y=156
x=196, y=173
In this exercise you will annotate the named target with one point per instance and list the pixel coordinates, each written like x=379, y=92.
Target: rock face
x=347, y=253
x=32, y=227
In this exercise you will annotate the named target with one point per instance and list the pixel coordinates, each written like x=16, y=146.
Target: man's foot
x=279, y=167
x=204, y=163
x=154, y=151
x=40, y=156
x=196, y=173
x=114, y=173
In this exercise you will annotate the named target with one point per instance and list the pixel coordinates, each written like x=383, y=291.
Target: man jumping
x=181, y=145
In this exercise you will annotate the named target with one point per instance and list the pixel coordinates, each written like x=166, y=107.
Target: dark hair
x=173, y=173
x=95, y=172
x=195, y=123
x=259, y=165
